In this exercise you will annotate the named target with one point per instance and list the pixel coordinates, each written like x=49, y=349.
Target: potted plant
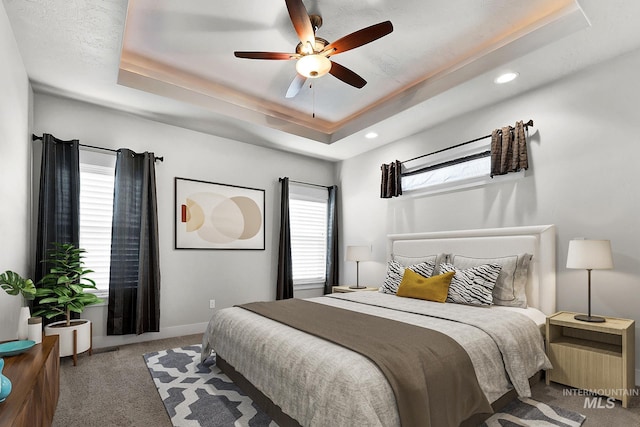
x=14, y=284
x=61, y=292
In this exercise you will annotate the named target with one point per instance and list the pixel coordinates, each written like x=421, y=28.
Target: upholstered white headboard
x=539, y=240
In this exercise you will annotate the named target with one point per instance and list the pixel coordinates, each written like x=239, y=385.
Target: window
x=97, y=172
x=456, y=172
x=308, y=221
x=464, y=167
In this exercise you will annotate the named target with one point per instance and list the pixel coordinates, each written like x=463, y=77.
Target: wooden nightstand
x=598, y=357
x=345, y=288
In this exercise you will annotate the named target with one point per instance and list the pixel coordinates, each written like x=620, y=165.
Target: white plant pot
x=23, y=323
x=65, y=335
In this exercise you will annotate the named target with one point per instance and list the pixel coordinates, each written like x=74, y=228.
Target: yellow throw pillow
x=433, y=288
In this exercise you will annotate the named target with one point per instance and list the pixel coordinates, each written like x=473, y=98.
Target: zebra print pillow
x=395, y=272
x=472, y=286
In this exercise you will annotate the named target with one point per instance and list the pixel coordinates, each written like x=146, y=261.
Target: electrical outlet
x=212, y=303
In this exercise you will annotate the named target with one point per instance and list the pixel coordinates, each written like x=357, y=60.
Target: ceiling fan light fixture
x=313, y=66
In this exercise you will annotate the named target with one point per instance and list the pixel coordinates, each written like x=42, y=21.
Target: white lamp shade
x=589, y=254
x=358, y=253
x=313, y=66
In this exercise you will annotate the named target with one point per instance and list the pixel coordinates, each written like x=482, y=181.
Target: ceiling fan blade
x=266, y=55
x=295, y=86
x=346, y=75
x=301, y=22
x=359, y=38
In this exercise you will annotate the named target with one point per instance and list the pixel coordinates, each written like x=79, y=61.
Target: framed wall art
x=210, y=215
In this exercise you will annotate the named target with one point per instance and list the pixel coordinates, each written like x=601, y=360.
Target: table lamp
x=589, y=255
x=357, y=254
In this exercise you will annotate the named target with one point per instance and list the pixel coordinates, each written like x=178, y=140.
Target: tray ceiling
x=172, y=61
x=186, y=50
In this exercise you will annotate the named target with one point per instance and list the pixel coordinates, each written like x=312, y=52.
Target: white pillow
x=510, y=288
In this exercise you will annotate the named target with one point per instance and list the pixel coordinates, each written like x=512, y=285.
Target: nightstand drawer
x=592, y=366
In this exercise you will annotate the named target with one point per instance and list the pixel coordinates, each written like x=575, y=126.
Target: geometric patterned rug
x=199, y=394
x=531, y=413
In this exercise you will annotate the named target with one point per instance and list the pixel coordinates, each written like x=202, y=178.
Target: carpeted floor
x=115, y=389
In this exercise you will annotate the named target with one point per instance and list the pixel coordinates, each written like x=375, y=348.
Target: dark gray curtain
x=134, y=281
x=59, y=198
x=284, y=284
x=509, y=150
x=391, y=182
x=333, y=260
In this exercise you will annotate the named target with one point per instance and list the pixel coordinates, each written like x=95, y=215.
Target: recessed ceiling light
x=371, y=135
x=506, y=77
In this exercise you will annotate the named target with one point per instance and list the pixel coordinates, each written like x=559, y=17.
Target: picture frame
x=211, y=215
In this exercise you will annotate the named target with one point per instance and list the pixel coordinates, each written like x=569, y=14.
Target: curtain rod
x=306, y=183
x=36, y=137
x=526, y=125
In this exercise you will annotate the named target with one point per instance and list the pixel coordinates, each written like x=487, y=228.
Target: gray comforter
x=319, y=383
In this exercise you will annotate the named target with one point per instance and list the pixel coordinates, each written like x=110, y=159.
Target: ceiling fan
x=313, y=53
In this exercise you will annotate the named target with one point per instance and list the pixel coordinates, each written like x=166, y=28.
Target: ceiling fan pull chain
x=313, y=94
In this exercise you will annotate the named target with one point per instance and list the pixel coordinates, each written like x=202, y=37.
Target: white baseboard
x=102, y=341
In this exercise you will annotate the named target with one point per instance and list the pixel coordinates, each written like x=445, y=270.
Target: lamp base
x=586, y=318
x=357, y=287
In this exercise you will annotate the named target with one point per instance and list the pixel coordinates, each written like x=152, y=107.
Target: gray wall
x=190, y=278
x=583, y=178
x=15, y=172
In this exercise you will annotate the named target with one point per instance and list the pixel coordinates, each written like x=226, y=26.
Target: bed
x=301, y=379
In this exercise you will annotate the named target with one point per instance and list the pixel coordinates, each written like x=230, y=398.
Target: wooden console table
x=35, y=376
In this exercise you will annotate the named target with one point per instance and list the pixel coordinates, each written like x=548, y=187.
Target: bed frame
x=495, y=242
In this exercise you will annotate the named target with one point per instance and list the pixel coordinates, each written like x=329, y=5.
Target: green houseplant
x=14, y=284
x=62, y=292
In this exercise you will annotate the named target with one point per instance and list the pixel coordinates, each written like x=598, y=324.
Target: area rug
x=199, y=394
x=531, y=413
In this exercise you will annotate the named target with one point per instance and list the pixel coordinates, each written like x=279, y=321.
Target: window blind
x=96, y=212
x=308, y=222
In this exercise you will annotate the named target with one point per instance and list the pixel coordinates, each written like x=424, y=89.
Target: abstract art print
x=210, y=215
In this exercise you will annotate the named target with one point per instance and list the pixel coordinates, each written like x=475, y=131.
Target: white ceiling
x=173, y=61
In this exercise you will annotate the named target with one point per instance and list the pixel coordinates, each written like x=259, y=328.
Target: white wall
x=189, y=278
x=584, y=152
x=15, y=172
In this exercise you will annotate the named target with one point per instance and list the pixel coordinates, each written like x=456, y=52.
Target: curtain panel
x=391, y=182
x=59, y=198
x=333, y=260
x=509, y=150
x=134, y=280
x=284, y=283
